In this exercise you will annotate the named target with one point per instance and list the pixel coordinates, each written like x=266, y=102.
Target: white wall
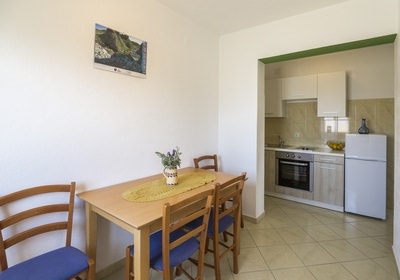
x=396, y=210
x=239, y=98
x=62, y=120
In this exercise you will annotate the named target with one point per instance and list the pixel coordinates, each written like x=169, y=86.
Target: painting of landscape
x=118, y=52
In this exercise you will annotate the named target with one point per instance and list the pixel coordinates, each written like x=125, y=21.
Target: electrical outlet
x=297, y=134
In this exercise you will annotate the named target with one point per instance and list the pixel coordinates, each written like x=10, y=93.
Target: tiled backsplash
x=301, y=126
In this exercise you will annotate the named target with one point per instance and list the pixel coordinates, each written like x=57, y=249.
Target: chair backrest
x=10, y=222
x=228, y=199
x=176, y=216
x=206, y=162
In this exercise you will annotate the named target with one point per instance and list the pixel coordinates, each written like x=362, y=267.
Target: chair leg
x=217, y=263
x=236, y=248
x=241, y=219
x=171, y=274
x=91, y=270
x=225, y=235
x=128, y=264
x=178, y=270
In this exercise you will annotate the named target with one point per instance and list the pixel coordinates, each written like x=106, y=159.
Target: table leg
x=141, y=265
x=91, y=232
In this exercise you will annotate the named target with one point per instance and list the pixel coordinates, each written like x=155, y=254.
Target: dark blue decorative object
x=363, y=128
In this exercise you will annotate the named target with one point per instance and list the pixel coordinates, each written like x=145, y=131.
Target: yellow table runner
x=158, y=189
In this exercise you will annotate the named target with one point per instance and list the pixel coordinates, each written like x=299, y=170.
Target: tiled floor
x=296, y=241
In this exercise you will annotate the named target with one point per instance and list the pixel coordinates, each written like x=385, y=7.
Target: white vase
x=171, y=176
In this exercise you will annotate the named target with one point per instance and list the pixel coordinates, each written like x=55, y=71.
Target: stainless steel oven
x=295, y=170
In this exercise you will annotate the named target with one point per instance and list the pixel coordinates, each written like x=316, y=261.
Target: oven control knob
x=299, y=156
x=293, y=156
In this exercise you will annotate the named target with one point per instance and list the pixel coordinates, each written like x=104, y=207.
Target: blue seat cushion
x=155, y=245
x=59, y=264
x=177, y=255
x=223, y=225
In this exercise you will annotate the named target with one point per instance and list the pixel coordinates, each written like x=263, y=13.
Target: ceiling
x=227, y=16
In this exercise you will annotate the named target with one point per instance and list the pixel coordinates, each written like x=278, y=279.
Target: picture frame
x=118, y=52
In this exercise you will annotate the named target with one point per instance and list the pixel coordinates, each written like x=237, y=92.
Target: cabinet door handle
x=327, y=159
x=328, y=168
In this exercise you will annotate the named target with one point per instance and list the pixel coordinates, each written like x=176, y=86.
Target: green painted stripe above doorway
x=331, y=49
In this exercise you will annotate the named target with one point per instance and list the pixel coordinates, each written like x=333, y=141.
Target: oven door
x=295, y=174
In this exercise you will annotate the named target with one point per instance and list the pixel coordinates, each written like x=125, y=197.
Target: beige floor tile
x=321, y=232
x=341, y=250
x=293, y=208
x=320, y=211
x=264, y=237
x=333, y=271
x=329, y=218
x=250, y=259
x=346, y=230
x=246, y=241
x=386, y=240
x=374, y=228
x=293, y=235
x=277, y=218
x=305, y=219
x=309, y=208
x=293, y=274
x=276, y=212
x=370, y=247
x=263, y=224
x=388, y=264
x=312, y=254
x=257, y=275
x=280, y=256
x=278, y=222
x=367, y=269
x=350, y=218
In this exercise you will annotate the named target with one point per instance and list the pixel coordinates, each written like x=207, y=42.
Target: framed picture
x=118, y=52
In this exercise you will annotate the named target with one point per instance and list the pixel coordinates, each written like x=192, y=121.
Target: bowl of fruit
x=336, y=145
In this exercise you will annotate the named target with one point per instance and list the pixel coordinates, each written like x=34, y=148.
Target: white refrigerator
x=365, y=175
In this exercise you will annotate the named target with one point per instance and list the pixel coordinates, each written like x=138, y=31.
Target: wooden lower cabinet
x=328, y=189
x=294, y=192
x=329, y=179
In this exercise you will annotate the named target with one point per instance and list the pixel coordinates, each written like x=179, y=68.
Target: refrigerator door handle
x=365, y=159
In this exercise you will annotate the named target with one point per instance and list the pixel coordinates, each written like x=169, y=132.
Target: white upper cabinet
x=274, y=106
x=332, y=94
x=300, y=87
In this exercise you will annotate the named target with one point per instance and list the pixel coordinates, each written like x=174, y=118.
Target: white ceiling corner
x=227, y=16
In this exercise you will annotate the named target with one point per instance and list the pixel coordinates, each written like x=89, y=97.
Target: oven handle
x=293, y=163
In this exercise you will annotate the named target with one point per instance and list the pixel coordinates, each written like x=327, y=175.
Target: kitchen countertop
x=320, y=150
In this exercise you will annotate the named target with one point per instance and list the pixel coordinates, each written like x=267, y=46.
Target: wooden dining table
x=139, y=218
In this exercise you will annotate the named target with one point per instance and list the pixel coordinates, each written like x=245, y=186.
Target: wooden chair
x=206, y=162
x=65, y=262
x=226, y=220
x=210, y=162
x=172, y=245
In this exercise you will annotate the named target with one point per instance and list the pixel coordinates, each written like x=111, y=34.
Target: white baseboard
x=396, y=251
